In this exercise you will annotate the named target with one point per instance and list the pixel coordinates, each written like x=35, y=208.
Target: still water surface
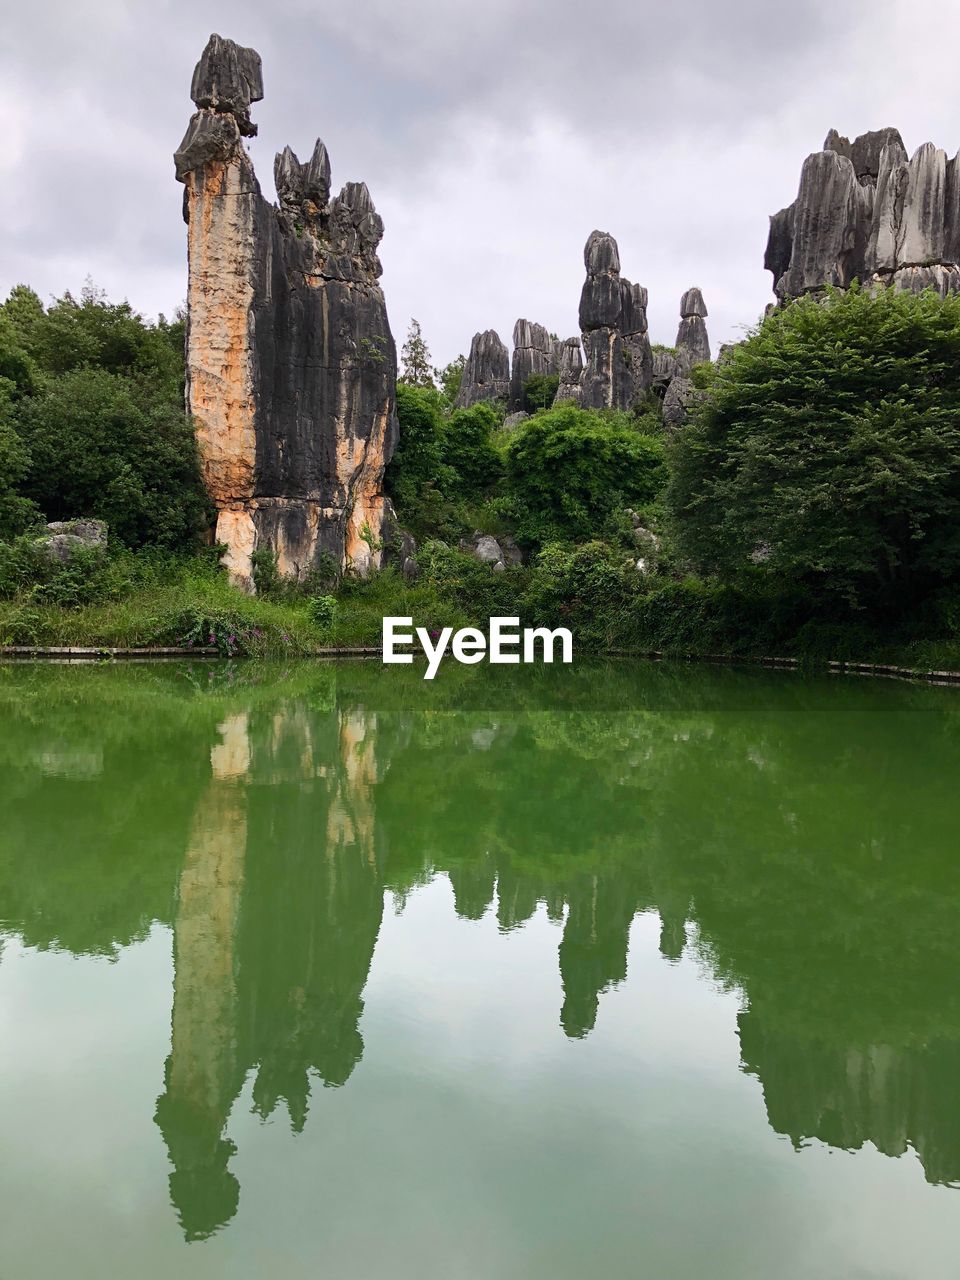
x=624, y=970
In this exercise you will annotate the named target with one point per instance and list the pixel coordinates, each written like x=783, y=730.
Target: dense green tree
x=827, y=450
x=101, y=445
x=17, y=513
x=449, y=379
x=417, y=460
x=467, y=448
x=92, y=420
x=94, y=333
x=569, y=472
x=416, y=359
x=539, y=391
x=18, y=369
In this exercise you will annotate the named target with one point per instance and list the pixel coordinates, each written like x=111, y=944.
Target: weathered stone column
x=291, y=366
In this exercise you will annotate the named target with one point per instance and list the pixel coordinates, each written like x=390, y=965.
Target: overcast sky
x=494, y=136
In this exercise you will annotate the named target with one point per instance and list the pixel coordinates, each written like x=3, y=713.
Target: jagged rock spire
x=227, y=79
x=486, y=374
x=692, y=335
x=613, y=319
x=291, y=365
x=571, y=370
x=534, y=351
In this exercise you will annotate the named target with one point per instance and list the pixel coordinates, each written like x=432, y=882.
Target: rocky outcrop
x=678, y=396
x=291, y=366
x=671, y=372
x=513, y=420
x=648, y=544
x=865, y=212
x=534, y=352
x=692, y=335
x=63, y=539
x=486, y=374
x=635, y=340
x=613, y=320
x=667, y=365
x=495, y=552
x=571, y=370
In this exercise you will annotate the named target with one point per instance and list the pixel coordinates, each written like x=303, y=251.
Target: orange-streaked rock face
x=219, y=354
x=291, y=366
x=236, y=531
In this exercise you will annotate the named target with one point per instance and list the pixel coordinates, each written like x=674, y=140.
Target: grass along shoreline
x=192, y=610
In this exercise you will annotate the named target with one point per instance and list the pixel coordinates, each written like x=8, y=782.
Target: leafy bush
x=103, y=446
x=323, y=611
x=827, y=449
x=17, y=513
x=570, y=470
x=449, y=379
x=467, y=450
x=92, y=421
x=28, y=569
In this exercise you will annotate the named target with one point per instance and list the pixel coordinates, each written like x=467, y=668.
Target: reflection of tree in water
x=803, y=840
x=811, y=853
x=895, y=1097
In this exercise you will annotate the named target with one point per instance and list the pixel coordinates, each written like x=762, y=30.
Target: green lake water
x=623, y=970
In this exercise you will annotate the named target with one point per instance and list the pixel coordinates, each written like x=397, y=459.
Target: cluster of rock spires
x=866, y=212
x=291, y=366
x=611, y=365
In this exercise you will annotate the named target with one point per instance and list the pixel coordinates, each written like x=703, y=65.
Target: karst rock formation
x=866, y=212
x=534, y=352
x=692, y=337
x=571, y=370
x=614, y=368
x=291, y=366
x=486, y=374
x=613, y=320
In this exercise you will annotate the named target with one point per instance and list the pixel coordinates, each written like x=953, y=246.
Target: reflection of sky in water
x=67, y=762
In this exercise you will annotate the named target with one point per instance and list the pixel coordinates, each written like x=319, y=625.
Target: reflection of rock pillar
x=352, y=815
x=201, y=1073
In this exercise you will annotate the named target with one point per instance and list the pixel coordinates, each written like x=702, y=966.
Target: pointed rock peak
x=486, y=374
x=316, y=175
x=867, y=152
x=692, y=304
x=288, y=177
x=835, y=141
x=532, y=336
x=571, y=356
x=356, y=196
x=925, y=153
x=601, y=254
x=488, y=340
x=228, y=78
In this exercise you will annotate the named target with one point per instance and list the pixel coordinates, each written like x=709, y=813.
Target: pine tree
x=417, y=361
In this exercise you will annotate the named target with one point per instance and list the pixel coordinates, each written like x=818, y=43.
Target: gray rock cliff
x=486, y=375
x=571, y=370
x=618, y=364
x=534, y=351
